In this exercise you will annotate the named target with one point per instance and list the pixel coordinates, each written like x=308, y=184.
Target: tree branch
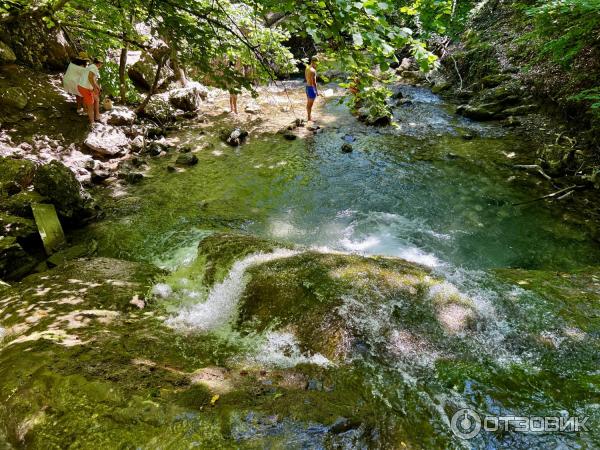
x=109, y=33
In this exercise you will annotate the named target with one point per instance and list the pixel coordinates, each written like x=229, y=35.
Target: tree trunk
x=122, y=80
x=154, y=87
x=178, y=69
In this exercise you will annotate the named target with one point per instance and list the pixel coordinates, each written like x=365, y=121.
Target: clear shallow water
x=421, y=193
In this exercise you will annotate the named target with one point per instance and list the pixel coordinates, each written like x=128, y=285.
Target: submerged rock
x=235, y=137
x=346, y=148
x=186, y=159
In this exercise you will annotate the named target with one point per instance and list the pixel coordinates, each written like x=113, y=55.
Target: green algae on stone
x=573, y=296
x=218, y=252
x=311, y=287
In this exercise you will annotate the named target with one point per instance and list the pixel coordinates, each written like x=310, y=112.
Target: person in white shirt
x=89, y=89
x=72, y=76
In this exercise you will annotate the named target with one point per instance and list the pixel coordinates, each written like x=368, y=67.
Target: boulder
x=160, y=109
x=56, y=182
x=14, y=97
x=494, y=80
x=440, y=86
x=476, y=112
x=120, y=116
x=7, y=56
x=36, y=44
x=413, y=76
x=346, y=148
x=107, y=140
x=156, y=148
x=99, y=176
x=235, y=137
x=138, y=144
x=289, y=135
x=520, y=110
x=143, y=71
x=375, y=116
x=130, y=176
x=186, y=159
x=20, y=171
x=188, y=98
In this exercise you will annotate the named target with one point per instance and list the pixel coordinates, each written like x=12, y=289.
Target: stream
x=421, y=192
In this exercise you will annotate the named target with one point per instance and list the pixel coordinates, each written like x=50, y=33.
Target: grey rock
x=189, y=98
x=143, y=71
x=120, y=115
x=107, y=140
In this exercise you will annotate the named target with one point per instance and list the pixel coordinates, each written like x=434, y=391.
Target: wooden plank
x=49, y=226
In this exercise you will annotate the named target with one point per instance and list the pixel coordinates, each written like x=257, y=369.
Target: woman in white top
x=90, y=90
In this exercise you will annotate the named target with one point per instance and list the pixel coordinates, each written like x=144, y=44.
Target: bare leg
x=97, y=108
x=79, y=101
x=309, y=105
x=90, y=111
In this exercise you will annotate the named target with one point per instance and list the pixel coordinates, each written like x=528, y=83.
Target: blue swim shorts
x=311, y=92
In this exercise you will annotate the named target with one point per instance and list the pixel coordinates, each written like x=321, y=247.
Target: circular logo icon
x=465, y=423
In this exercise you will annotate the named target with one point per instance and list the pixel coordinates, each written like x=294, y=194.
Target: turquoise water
x=419, y=192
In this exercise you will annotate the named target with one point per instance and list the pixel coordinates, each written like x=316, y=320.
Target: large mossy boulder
x=19, y=171
x=13, y=97
x=340, y=296
x=57, y=183
x=37, y=45
x=7, y=56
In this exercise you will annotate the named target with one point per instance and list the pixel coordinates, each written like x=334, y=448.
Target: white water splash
x=281, y=350
x=223, y=298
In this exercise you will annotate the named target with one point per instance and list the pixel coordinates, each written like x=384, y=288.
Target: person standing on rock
x=90, y=90
x=235, y=67
x=73, y=75
x=311, y=85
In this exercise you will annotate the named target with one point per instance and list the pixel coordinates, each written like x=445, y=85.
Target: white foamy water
x=223, y=298
x=280, y=349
